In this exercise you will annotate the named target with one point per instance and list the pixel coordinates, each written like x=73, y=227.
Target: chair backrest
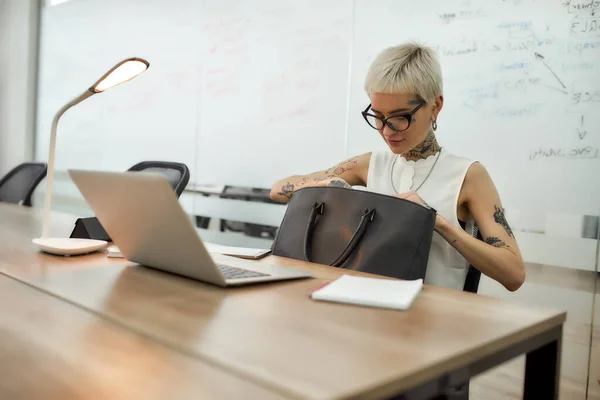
x=18, y=185
x=178, y=174
x=473, y=274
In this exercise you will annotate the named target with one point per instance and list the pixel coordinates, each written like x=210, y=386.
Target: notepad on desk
x=371, y=292
x=241, y=252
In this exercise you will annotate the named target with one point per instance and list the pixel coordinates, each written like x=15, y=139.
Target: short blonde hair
x=407, y=68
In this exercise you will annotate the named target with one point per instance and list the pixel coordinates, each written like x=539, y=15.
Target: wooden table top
x=54, y=350
x=273, y=334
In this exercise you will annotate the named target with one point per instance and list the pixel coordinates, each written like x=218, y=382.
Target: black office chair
x=473, y=274
x=18, y=185
x=178, y=175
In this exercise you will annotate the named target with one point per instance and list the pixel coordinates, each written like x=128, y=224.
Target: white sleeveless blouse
x=446, y=267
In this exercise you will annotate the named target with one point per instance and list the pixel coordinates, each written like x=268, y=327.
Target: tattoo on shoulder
x=496, y=242
x=500, y=218
x=339, y=183
x=287, y=190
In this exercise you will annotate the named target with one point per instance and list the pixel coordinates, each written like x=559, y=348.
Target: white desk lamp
x=124, y=71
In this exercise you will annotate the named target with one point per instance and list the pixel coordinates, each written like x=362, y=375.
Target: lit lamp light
x=124, y=71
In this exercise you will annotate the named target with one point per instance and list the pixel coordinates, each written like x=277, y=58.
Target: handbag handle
x=319, y=208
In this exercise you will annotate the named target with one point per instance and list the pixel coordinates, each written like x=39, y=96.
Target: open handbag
x=357, y=230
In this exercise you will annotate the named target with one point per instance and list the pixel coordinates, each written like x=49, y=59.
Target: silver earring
x=434, y=125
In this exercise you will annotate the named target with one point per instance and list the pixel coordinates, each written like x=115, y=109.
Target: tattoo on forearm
x=344, y=166
x=287, y=190
x=317, y=180
x=339, y=183
x=496, y=242
x=328, y=174
x=500, y=218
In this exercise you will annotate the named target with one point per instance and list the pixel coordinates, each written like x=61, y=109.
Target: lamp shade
x=124, y=71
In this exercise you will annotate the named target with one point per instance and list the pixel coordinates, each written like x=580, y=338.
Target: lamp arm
x=48, y=200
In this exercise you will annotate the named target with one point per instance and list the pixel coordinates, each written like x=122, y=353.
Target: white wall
x=245, y=95
x=18, y=60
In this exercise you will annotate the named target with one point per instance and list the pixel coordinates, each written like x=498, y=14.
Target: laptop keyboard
x=230, y=272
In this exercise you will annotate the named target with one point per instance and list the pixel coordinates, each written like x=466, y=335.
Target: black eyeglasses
x=397, y=123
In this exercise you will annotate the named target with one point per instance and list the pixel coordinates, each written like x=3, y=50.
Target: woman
x=404, y=84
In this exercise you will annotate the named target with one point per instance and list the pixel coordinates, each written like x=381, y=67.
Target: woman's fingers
x=407, y=195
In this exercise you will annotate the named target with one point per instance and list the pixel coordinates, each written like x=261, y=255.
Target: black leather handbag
x=357, y=230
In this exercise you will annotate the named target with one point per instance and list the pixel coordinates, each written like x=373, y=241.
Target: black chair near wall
x=473, y=274
x=17, y=185
x=178, y=175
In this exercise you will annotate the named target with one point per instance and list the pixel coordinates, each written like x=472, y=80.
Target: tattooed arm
x=344, y=174
x=498, y=256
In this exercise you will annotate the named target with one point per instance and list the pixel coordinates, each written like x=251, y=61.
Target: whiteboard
x=246, y=93
x=152, y=117
x=274, y=89
x=239, y=91
x=521, y=91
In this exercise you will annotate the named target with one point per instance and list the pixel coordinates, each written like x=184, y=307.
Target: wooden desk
x=53, y=350
x=274, y=336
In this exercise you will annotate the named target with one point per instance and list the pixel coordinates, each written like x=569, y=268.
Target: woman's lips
x=395, y=142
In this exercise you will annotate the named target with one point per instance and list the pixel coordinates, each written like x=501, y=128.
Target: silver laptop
x=142, y=215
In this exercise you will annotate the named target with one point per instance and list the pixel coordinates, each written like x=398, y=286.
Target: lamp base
x=68, y=247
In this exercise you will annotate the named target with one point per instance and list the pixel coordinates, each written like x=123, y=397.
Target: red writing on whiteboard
x=296, y=112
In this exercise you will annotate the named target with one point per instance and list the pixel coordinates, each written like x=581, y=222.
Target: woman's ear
x=437, y=107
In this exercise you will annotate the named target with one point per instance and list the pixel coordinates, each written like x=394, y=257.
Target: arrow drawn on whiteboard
x=543, y=60
x=581, y=132
x=536, y=81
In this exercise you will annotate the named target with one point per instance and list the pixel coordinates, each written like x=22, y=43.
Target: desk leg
x=542, y=370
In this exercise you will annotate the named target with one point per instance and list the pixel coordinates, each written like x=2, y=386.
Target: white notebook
x=372, y=292
x=241, y=252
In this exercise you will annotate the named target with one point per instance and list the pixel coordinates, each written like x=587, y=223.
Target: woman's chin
x=398, y=147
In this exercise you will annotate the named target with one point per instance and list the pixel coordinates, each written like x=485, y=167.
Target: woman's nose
x=387, y=131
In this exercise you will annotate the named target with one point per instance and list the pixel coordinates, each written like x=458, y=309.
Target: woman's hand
x=415, y=198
